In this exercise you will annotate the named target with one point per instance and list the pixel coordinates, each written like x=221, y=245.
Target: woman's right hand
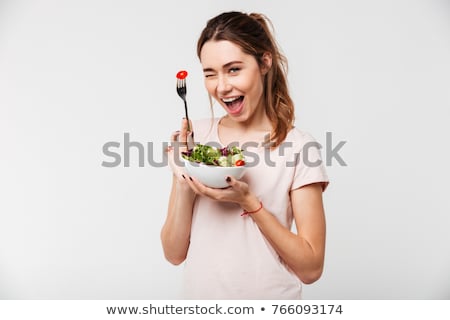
x=179, y=143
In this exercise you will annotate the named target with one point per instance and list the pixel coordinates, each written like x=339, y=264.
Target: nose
x=223, y=85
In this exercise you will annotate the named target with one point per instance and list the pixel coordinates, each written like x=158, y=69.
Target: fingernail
x=228, y=179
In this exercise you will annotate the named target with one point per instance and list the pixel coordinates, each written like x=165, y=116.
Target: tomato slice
x=239, y=163
x=182, y=74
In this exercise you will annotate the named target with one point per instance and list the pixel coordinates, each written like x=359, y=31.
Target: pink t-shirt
x=228, y=257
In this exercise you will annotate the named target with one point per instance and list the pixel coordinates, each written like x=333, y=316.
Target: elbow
x=310, y=279
x=310, y=276
x=175, y=260
x=173, y=254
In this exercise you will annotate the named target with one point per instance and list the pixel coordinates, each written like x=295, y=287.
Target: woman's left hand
x=237, y=191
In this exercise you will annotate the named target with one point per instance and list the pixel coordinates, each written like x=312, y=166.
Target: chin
x=238, y=117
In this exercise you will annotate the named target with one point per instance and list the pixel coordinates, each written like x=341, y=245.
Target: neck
x=254, y=129
x=257, y=122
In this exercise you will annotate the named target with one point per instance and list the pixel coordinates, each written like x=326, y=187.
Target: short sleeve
x=309, y=166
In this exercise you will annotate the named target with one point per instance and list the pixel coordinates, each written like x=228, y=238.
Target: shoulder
x=310, y=167
x=299, y=139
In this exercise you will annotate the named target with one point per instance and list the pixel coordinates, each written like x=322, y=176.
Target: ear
x=266, y=62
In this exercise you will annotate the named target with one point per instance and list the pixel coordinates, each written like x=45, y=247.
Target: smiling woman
x=237, y=240
x=230, y=82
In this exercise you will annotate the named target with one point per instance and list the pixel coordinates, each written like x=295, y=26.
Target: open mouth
x=234, y=104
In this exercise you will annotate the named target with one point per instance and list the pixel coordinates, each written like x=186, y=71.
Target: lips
x=234, y=105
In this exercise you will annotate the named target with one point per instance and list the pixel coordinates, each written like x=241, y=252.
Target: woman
x=256, y=255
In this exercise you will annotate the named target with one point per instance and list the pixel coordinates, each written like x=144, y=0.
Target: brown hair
x=251, y=32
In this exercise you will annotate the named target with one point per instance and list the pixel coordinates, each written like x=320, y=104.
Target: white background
x=75, y=75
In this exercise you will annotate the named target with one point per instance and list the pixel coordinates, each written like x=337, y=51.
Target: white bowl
x=212, y=176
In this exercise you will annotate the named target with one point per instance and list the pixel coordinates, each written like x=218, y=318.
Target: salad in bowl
x=211, y=165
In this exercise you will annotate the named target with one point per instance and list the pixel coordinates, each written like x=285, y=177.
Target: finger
x=236, y=184
x=173, y=154
x=168, y=149
x=174, y=136
x=191, y=139
x=232, y=182
x=181, y=176
x=184, y=130
x=176, y=142
x=193, y=184
x=220, y=194
x=190, y=128
x=199, y=186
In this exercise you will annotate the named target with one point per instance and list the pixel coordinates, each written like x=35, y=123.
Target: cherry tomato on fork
x=239, y=163
x=182, y=74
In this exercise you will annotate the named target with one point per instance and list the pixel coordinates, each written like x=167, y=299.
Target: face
x=233, y=78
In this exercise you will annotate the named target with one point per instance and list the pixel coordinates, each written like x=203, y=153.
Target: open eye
x=234, y=69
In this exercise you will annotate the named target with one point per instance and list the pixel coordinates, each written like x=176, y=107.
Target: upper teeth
x=229, y=99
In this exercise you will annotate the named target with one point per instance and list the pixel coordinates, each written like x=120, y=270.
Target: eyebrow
x=226, y=65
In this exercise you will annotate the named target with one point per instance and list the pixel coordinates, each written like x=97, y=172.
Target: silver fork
x=181, y=90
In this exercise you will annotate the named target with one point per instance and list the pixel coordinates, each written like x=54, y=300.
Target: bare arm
x=176, y=231
x=303, y=252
